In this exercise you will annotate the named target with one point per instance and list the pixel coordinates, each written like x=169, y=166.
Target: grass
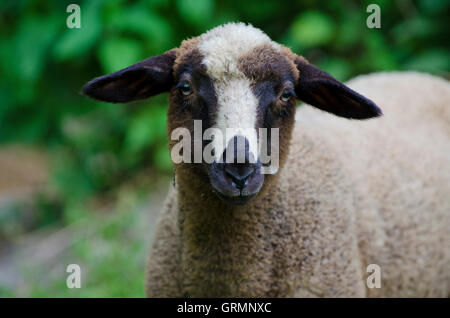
x=110, y=247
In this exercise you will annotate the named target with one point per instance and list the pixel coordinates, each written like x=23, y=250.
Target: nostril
x=238, y=176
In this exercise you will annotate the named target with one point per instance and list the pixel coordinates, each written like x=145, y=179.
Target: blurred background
x=82, y=181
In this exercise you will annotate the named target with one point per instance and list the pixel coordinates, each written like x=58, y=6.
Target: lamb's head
x=229, y=89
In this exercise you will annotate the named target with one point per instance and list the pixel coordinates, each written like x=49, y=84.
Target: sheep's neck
x=223, y=246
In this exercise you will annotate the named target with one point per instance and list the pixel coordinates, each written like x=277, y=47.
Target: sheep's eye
x=286, y=95
x=185, y=88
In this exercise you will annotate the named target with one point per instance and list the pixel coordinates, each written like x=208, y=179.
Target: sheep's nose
x=238, y=167
x=239, y=174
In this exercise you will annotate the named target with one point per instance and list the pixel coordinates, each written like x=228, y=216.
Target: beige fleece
x=351, y=193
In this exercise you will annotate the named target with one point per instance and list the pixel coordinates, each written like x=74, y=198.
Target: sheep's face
x=232, y=82
x=235, y=80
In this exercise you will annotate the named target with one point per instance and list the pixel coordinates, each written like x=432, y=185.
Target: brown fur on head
x=232, y=76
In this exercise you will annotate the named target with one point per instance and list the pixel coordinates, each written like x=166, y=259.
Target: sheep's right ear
x=141, y=80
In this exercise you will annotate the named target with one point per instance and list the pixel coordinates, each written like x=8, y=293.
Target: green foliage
x=110, y=251
x=312, y=28
x=195, y=12
x=74, y=43
x=44, y=64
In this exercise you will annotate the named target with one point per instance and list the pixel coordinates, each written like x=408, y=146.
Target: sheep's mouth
x=232, y=190
x=240, y=199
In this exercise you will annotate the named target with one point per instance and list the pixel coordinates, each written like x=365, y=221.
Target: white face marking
x=236, y=102
x=223, y=45
x=236, y=113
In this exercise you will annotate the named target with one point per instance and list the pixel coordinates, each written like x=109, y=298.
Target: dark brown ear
x=141, y=80
x=321, y=90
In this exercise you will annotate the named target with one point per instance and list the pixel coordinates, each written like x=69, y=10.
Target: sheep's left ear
x=321, y=90
x=141, y=80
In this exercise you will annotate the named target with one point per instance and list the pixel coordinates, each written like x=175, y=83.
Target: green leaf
x=410, y=30
x=430, y=61
x=312, y=28
x=161, y=158
x=146, y=127
x=157, y=3
x=338, y=68
x=434, y=6
x=196, y=12
x=31, y=43
x=152, y=27
x=349, y=34
x=117, y=53
x=377, y=54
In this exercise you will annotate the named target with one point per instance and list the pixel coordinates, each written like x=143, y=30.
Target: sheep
x=348, y=192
